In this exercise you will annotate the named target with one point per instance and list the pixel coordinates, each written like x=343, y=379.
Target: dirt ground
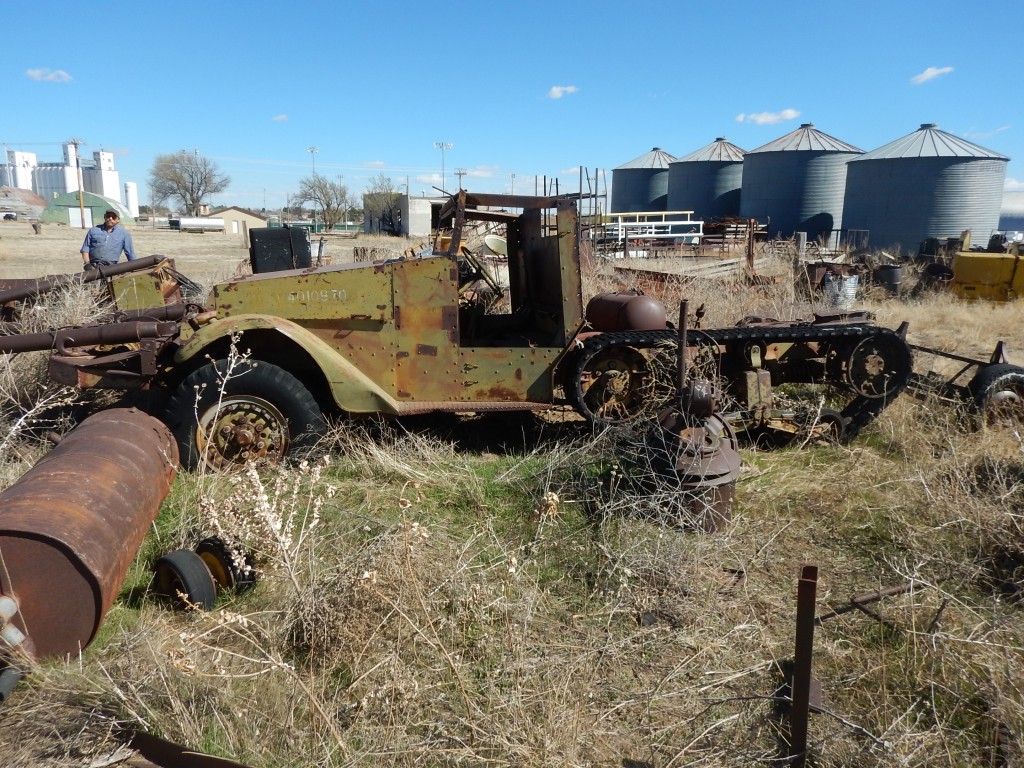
x=203, y=257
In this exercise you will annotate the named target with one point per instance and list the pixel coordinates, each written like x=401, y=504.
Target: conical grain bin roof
x=926, y=184
x=641, y=184
x=707, y=181
x=797, y=183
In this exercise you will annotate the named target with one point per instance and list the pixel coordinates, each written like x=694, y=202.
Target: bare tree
x=188, y=177
x=331, y=198
x=380, y=202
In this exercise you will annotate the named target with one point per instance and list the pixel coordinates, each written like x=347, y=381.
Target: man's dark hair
x=115, y=214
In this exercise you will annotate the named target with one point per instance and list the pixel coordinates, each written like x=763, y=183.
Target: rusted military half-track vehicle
x=438, y=332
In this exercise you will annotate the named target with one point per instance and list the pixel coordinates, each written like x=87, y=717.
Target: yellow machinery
x=996, y=274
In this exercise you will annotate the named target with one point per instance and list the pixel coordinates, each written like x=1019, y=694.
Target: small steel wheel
x=230, y=566
x=183, y=578
x=829, y=428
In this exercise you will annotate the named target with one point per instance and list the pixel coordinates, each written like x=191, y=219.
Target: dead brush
x=32, y=404
x=422, y=603
x=724, y=301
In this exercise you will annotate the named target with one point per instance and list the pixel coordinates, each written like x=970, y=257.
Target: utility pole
x=460, y=172
x=312, y=151
x=81, y=193
x=442, y=145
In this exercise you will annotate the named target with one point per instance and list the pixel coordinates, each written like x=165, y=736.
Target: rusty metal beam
x=807, y=589
x=859, y=601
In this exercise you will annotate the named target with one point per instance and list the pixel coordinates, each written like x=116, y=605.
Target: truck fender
x=352, y=390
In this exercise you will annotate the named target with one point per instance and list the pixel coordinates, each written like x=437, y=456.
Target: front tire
x=224, y=418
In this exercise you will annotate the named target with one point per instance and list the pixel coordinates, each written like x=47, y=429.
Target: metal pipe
x=684, y=311
x=47, y=284
x=68, y=338
x=72, y=525
x=164, y=313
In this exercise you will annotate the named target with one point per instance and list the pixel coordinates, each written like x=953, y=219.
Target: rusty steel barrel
x=72, y=525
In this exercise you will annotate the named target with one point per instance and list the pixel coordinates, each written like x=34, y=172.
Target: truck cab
x=433, y=332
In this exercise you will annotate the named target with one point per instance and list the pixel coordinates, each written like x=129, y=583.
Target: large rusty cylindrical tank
x=71, y=526
x=626, y=311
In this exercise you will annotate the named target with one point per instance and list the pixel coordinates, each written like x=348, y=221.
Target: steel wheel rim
x=615, y=384
x=874, y=369
x=239, y=429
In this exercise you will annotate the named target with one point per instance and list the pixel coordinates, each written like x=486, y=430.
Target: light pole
x=442, y=145
x=512, y=189
x=460, y=172
x=312, y=151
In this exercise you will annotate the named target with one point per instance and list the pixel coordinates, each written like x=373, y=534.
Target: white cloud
x=45, y=75
x=975, y=134
x=376, y=164
x=930, y=74
x=558, y=91
x=768, y=118
x=279, y=118
x=1013, y=185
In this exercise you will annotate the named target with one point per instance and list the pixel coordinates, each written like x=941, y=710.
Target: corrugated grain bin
x=926, y=184
x=641, y=184
x=707, y=181
x=797, y=183
x=72, y=525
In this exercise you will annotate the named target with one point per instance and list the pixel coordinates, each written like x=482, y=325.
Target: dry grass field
x=204, y=257
x=467, y=592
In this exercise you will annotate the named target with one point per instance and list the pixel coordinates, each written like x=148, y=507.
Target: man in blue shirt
x=104, y=244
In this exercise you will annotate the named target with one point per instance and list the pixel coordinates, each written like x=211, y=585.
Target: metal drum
x=889, y=276
x=72, y=525
x=626, y=311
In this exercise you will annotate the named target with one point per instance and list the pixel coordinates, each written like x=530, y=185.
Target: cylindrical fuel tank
x=71, y=526
x=626, y=311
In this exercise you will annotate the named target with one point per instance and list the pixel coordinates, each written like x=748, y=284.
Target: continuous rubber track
x=857, y=413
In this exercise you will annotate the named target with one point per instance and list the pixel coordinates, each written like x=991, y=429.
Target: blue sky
x=527, y=88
